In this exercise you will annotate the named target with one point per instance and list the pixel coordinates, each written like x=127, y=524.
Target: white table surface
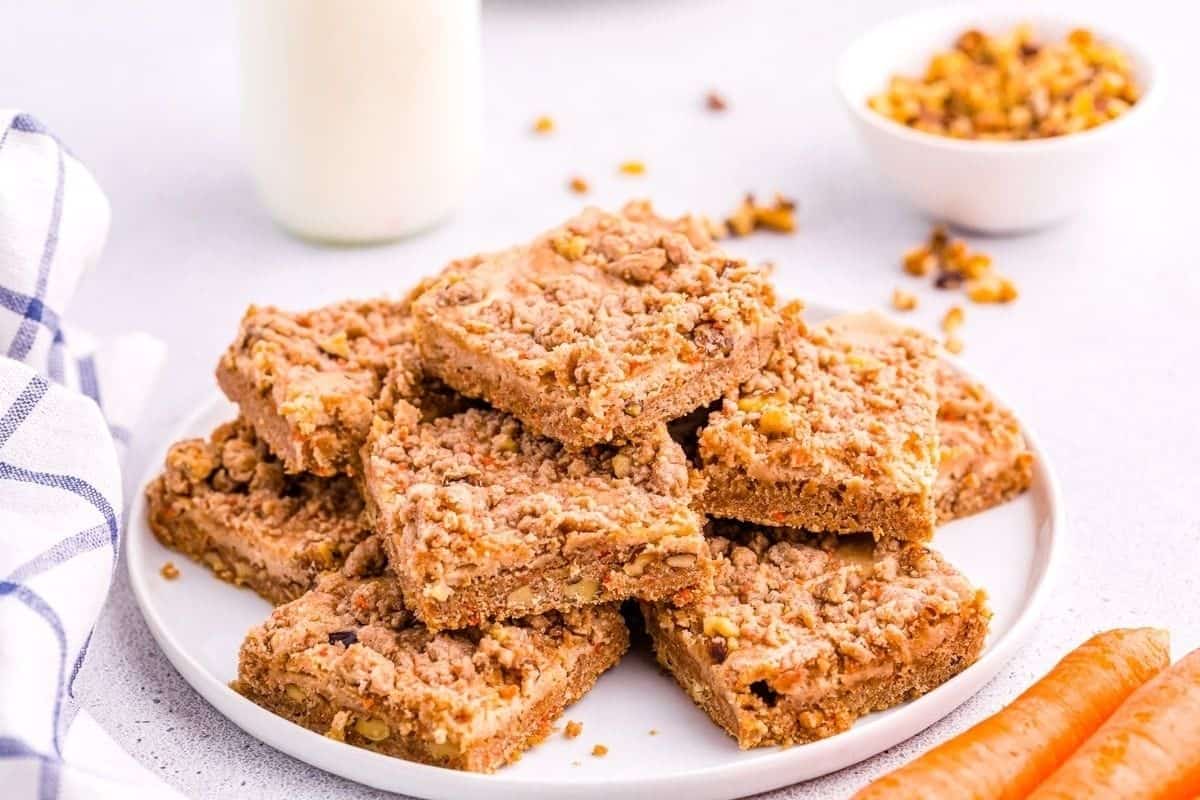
x=1100, y=353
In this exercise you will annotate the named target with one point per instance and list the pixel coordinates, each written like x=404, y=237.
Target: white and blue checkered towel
x=65, y=407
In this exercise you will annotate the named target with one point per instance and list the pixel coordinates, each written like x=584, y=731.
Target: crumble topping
x=476, y=494
x=307, y=380
x=451, y=688
x=834, y=405
x=801, y=614
x=983, y=456
x=600, y=315
x=230, y=488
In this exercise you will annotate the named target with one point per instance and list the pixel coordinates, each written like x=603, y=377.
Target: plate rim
x=773, y=770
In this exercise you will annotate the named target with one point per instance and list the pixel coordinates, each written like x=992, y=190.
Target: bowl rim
x=1152, y=81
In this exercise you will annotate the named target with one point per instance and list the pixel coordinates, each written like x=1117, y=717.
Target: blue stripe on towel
x=60, y=552
x=68, y=483
x=23, y=341
x=48, y=772
x=40, y=607
x=87, y=377
x=22, y=407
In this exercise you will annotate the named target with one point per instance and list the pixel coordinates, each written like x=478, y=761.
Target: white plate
x=199, y=622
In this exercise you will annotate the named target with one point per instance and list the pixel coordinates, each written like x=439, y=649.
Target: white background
x=1100, y=353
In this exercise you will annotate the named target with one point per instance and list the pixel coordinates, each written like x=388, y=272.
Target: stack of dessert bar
x=450, y=497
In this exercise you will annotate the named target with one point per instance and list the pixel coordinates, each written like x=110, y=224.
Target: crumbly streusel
x=228, y=503
x=484, y=519
x=836, y=433
x=803, y=634
x=602, y=328
x=307, y=381
x=347, y=659
x=984, y=459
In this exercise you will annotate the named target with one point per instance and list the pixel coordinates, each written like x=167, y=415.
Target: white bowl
x=987, y=186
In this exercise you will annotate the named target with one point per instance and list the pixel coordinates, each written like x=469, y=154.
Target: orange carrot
x=1008, y=754
x=1149, y=747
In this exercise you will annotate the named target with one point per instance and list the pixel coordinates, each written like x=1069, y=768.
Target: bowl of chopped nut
x=997, y=122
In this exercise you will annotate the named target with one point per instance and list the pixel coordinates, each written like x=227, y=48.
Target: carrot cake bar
x=601, y=329
x=485, y=520
x=806, y=633
x=229, y=504
x=984, y=459
x=837, y=433
x=307, y=381
x=349, y=661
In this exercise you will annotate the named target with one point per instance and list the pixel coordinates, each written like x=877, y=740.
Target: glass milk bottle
x=362, y=118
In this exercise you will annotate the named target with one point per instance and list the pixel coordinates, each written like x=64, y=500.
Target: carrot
x=1149, y=748
x=1008, y=754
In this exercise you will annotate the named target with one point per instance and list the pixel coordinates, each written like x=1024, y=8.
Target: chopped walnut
x=903, y=301
x=543, y=125
x=1013, y=87
x=953, y=320
x=715, y=102
x=578, y=185
x=599, y=751
x=169, y=571
x=748, y=217
x=573, y=729
x=957, y=265
x=991, y=289
x=633, y=167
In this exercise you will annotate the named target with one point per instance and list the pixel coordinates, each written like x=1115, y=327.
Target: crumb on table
x=750, y=216
x=954, y=319
x=715, y=102
x=543, y=125
x=633, y=167
x=903, y=300
x=956, y=265
x=573, y=729
x=578, y=185
x=599, y=751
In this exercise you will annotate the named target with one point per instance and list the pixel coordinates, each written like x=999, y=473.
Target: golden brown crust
x=601, y=329
x=837, y=433
x=348, y=660
x=805, y=634
x=484, y=520
x=228, y=503
x=984, y=458
x=307, y=381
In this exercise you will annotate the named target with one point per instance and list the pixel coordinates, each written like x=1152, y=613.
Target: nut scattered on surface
x=543, y=125
x=169, y=571
x=957, y=265
x=748, y=217
x=903, y=301
x=715, y=102
x=578, y=185
x=599, y=751
x=1013, y=86
x=654, y=732
x=954, y=319
x=573, y=729
x=954, y=344
x=991, y=289
x=633, y=168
